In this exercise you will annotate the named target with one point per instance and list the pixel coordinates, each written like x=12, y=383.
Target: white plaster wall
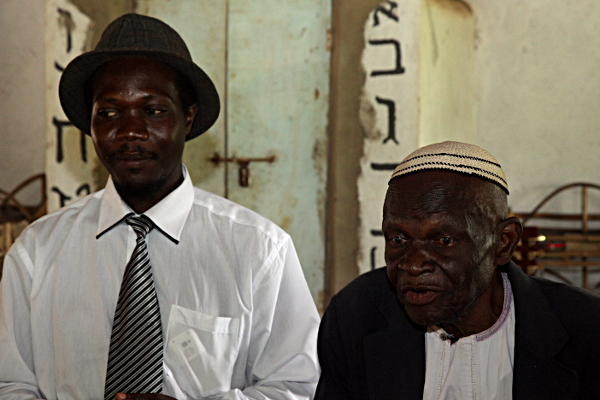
x=538, y=68
x=22, y=118
x=447, y=81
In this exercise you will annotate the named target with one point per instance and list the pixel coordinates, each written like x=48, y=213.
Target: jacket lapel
x=395, y=356
x=539, y=337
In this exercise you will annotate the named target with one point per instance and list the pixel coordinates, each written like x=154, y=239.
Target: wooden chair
x=13, y=211
x=549, y=248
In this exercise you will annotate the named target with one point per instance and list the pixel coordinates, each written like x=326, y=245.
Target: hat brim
x=75, y=77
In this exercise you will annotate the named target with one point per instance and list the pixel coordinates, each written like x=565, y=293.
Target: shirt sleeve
x=17, y=377
x=282, y=360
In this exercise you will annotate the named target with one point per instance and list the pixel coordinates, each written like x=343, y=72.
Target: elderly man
x=451, y=317
x=212, y=302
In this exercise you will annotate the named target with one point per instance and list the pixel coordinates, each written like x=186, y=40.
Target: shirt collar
x=168, y=215
x=499, y=324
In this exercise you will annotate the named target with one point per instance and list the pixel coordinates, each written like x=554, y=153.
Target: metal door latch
x=244, y=171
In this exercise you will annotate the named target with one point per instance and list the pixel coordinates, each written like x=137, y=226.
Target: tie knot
x=140, y=224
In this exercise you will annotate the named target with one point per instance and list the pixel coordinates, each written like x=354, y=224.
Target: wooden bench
x=554, y=242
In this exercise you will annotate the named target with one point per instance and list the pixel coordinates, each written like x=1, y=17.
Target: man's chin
x=138, y=188
x=420, y=316
x=429, y=315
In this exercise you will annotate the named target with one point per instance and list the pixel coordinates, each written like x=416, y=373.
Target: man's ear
x=509, y=232
x=190, y=114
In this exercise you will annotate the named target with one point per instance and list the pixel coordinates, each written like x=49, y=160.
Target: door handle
x=243, y=164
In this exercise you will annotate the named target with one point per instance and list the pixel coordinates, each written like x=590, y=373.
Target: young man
x=451, y=317
x=152, y=288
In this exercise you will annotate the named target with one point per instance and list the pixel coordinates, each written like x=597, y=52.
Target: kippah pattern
x=454, y=156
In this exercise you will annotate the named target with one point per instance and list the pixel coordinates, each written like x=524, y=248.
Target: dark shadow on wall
x=345, y=141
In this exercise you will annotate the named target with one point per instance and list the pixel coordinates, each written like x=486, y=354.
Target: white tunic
x=477, y=367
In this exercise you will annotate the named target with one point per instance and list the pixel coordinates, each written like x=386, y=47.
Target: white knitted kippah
x=454, y=156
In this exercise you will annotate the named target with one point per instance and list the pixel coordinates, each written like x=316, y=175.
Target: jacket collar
x=539, y=337
x=535, y=317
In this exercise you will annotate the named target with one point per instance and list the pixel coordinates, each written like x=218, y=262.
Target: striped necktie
x=136, y=350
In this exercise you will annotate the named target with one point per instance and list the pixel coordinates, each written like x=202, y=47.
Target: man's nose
x=417, y=259
x=133, y=127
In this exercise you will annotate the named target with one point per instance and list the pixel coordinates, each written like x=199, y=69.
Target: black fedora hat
x=140, y=36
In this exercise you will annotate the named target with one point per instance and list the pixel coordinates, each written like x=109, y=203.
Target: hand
x=142, y=396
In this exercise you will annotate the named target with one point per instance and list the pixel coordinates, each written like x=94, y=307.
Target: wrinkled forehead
x=441, y=192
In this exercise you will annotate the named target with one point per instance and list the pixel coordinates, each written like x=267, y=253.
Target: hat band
x=445, y=165
x=453, y=155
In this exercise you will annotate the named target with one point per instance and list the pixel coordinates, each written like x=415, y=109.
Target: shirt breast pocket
x=201, y=351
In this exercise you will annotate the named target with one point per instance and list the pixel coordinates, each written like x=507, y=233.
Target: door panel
x=270, y=63
x=278, y=96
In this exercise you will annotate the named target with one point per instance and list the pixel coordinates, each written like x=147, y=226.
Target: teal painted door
x=270, y=62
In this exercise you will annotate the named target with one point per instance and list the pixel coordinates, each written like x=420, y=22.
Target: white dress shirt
x=238, y=319
x=475, y=367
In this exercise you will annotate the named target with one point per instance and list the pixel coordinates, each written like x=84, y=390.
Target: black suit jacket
x=370, y=349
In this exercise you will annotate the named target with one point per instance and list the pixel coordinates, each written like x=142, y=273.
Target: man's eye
x=446, y=241
x=107, y=113
x=397, y=239
x=155, y=111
